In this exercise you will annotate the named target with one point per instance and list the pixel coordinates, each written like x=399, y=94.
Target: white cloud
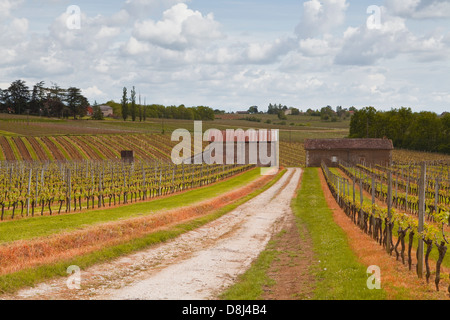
x=144, y=8
x=93, y=92
x=48, y=65
x=419, y=9
x=135, y=47
x=321, y=17
x=175, y=54
x=179, y=29
x=363, y=46
x=6, y=6
x=314, y=47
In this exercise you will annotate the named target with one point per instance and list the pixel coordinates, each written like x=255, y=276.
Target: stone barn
x=240, y=147
x=331, y=151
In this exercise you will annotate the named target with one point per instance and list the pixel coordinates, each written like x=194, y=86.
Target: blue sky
x=234, y=54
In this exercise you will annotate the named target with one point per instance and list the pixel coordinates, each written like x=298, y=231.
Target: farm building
x=331, y=151
x=240, y=147
x=89, y=111
x=106, y=110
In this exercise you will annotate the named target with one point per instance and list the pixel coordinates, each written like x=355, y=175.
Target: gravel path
x=197, y=265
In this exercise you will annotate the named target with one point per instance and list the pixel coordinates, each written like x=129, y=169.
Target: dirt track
x=196, y=265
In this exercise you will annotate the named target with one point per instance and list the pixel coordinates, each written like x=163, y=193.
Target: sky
x=231, y=55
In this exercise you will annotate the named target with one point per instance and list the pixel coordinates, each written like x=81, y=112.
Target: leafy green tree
x=444, y=145
x=98, y=114
x=327, y=113
x=253, y=110
x=295, y=112
x=425, y=132
x=362, y=122
x=282, y=115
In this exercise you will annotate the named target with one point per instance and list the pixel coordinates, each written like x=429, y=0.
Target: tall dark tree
x=74, y=101
x=145, y=110
x=54, y=106
x=133, y=104
x=124, y=105
x=140, y=109
x=2, y=100
x=37, y=98
x=17, y=96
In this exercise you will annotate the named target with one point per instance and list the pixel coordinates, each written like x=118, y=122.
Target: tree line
x=424, y=131
x=55, y=101
x=130, y=108
x=41, y=100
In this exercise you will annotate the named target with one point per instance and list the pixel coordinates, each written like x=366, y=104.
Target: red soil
x=7, y=151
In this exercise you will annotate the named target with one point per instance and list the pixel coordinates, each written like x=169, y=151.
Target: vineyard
x=412, y=199
x=45, y=175
x=34, y=188
x=146, y=147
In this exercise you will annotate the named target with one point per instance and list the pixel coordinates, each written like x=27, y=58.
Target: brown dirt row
x=104, y=148
x=7, y=151
x=119, y=143
x=396, y=279
x=149, y=153
x=30, y=253
x=37, y=148
x=57, y=154
x=86, y=148
x=156, y=147
x=74, y=153
x=22, y=149
x=128, y=144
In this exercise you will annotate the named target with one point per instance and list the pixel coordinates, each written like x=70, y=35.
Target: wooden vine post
x=361, y=201
x=436, y=195
x=420, y=250
x=389, y=213
x=29, y=191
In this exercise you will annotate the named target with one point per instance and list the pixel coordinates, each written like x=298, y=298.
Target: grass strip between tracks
x=338, y=274
x=11, y=283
